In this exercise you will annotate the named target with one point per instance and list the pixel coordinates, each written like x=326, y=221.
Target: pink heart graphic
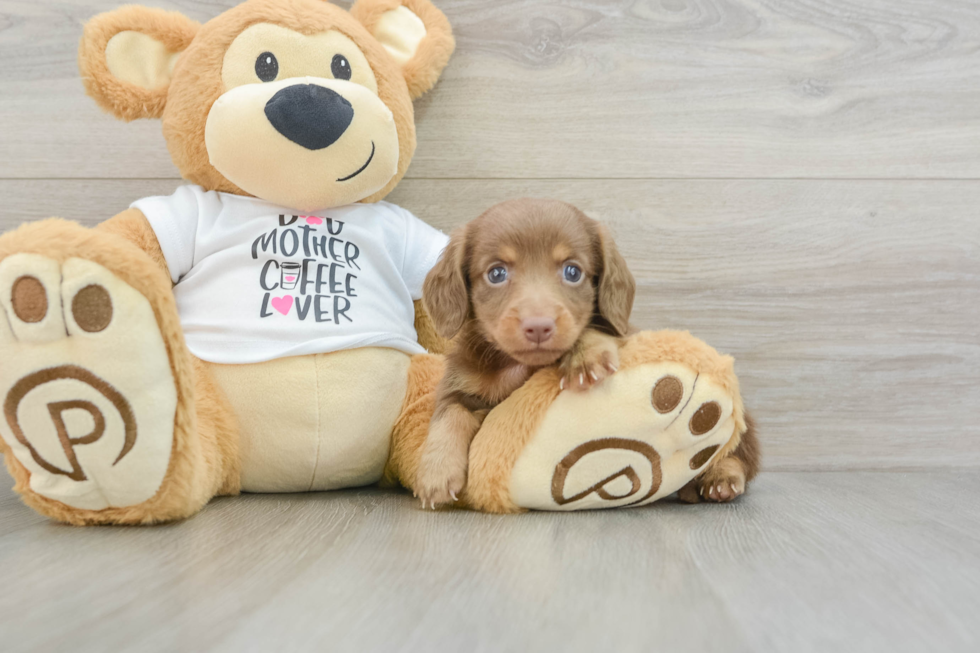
x=282, y=304
x=312, y=219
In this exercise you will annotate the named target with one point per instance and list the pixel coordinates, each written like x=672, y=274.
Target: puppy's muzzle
x=309, y=115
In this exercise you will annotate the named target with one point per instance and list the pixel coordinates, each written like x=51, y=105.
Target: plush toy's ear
x=415, y=34
x=445, y=292
x=127, y=57
x=616, y=285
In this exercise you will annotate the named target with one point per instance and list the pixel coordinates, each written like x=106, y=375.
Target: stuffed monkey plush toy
x=259, y=330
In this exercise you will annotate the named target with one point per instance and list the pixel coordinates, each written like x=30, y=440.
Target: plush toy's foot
x=89, y=399
x=641, y=434
x=89, y=395
x=637, y=437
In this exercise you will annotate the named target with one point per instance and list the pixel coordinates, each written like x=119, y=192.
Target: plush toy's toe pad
x=87, y=390
x=641, y=434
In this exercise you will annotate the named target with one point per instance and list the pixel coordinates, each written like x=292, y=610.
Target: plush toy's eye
x=497, y=275
x=340, y=67
x=572, y=273
x=267, y=67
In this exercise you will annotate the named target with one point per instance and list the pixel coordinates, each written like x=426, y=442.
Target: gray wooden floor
x=795, y=181
x=833, y=561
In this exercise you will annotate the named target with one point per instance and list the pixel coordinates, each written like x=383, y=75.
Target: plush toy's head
x=297, y=102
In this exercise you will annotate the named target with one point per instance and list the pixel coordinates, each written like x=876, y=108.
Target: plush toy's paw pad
x=642, y=434
x=31, y=297
x=88, y=394
x=722, y=483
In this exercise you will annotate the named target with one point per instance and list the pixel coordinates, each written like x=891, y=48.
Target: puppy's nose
x=538, y=329
x=309, y=115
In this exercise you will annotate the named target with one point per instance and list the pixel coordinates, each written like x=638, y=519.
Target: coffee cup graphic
x=290, y=275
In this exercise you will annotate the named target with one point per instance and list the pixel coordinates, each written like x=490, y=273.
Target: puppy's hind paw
x=722, y=483
x=439, y=488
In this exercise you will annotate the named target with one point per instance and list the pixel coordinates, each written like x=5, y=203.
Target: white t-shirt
x=256, y=281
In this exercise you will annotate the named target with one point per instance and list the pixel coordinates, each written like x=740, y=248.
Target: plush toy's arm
x=132, y=225
x=426, y=330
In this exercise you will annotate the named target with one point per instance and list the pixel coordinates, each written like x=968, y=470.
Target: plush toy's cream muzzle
x=307, y=143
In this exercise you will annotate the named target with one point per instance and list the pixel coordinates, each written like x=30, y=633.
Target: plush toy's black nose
x=309, y=115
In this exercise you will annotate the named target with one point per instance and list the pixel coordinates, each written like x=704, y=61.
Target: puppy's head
x=530, y=275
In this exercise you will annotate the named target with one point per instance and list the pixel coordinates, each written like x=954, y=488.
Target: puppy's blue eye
x=497, y=274
x=572, y=273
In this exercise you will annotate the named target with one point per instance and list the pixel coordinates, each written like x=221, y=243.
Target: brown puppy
x=529, y=283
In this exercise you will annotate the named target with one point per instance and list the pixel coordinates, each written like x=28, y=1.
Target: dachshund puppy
x=528, y=284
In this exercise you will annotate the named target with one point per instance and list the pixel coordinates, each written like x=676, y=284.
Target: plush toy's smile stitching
x=362, y=168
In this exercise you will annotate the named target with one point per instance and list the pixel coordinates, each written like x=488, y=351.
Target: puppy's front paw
x=584, y=367
x=438, y=485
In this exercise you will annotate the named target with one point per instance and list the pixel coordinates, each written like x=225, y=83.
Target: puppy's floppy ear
x=415, y=34
x=616, y=285
x=127, y=57
x=445, y=292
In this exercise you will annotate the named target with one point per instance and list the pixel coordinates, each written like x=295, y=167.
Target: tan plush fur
x=204, y=458
x=433, y=53
x=680, y=346
x=134, y=227
x=196, y=82
x=502, y=438
x=734, y=465
x=204, y=453
x=124, y=100
x=427, y=333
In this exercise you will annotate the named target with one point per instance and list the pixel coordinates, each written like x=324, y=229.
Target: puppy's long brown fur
x=530, y=283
